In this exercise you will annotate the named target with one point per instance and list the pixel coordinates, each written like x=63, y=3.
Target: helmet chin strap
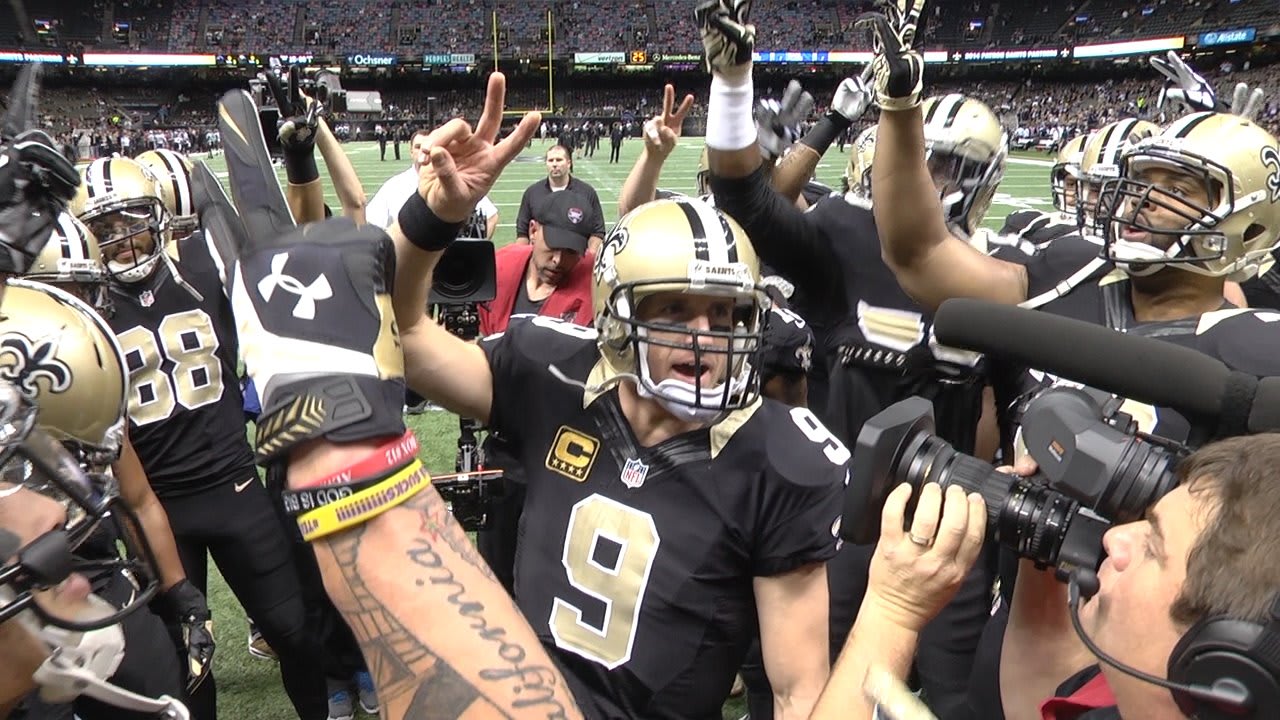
x=79, y=663
x=681, y=399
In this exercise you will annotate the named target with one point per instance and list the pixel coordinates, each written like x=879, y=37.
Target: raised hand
x=854, y=95
x=726, y=36
x=462, y=164
x=897, y=66
x=779, y=123
x=299, y=114
x=662, y=131
x=1184, y=91
x=36, y=181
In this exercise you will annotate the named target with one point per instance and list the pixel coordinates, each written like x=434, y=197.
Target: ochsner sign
x=371, y=60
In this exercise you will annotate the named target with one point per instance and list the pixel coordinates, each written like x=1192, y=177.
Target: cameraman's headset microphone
x=1221, y=668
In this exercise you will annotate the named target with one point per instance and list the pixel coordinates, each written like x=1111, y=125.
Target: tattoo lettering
x=400, y=664
x=535, y=685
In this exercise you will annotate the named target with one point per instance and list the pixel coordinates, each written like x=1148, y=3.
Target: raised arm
x=346, y=183
x=661, y=133
x=931, y=263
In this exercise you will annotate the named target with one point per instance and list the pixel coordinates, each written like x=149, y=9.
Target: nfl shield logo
x=575, y=215
x=147, y=299
x=634, y=473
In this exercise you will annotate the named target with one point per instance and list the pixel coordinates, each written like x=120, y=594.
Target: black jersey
x=1067, y=278
x=862, y=319
x=186, y=418
x=635, y=564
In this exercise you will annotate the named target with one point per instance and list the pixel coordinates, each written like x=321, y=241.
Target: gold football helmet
x=1228, y=159
x=682, y=245
x=64, y=358
x=120, y=200
x=966, y=149
x=1100, y=162
x=71, y=258
x=174, y=172
x=857, y=174
x=1066, y=173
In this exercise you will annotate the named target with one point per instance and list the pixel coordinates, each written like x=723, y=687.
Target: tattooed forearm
x=413, y=566
x=400, y=664
x=534, y=684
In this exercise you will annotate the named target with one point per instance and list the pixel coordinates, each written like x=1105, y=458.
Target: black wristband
x=300, y=165
x=304, y=500
x=825, y=131
x=423, y=228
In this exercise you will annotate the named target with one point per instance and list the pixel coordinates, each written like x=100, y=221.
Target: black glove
x=183, y=605
x=317, y=330
x=898, y=67
x=297, y=128
x=726, y=36
x=36, y=181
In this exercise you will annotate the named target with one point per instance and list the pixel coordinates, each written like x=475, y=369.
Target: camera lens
x=1024, y=514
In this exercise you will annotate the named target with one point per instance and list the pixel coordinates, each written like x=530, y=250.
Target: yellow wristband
x=364, y=505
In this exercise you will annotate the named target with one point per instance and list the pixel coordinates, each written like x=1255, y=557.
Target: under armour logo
x=305, y=309
x=32, y=362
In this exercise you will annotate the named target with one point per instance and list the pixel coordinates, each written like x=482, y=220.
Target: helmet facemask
x=734, y=347
x=967, y=176
x=123, y=224
x=1200, y=245
x=37, y=462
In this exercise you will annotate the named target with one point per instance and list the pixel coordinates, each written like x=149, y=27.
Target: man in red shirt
x=552, y=274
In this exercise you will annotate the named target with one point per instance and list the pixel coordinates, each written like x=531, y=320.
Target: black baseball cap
x=566, y=219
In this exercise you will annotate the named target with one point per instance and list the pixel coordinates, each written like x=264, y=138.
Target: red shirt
x=570, y=301
x=1094, y=695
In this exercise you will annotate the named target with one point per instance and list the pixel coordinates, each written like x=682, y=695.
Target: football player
x=72, y=260
x=63, y=356
x=441, y=635
x=876, y=339
x=1034, y=229
x=668, y=506
x=173, y=322
x=58, y=633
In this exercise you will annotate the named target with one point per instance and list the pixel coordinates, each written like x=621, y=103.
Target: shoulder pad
x=545, y=340
x=798, y=448
x=1243, y=339
x=1018, y=220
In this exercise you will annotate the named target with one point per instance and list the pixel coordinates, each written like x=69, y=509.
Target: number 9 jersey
x=635, y=564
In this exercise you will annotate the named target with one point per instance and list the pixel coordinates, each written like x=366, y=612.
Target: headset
x=1222, y=668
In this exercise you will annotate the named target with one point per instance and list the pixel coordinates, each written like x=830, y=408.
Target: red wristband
x=386, y=459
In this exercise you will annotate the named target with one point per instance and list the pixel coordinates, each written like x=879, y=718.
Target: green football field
x=249, y=688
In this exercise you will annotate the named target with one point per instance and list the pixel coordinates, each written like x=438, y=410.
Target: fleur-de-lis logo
x=1271, y=158
x=25, y=363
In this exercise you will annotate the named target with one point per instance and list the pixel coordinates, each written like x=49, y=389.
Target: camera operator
x=552, y=275
x=1185, y=592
